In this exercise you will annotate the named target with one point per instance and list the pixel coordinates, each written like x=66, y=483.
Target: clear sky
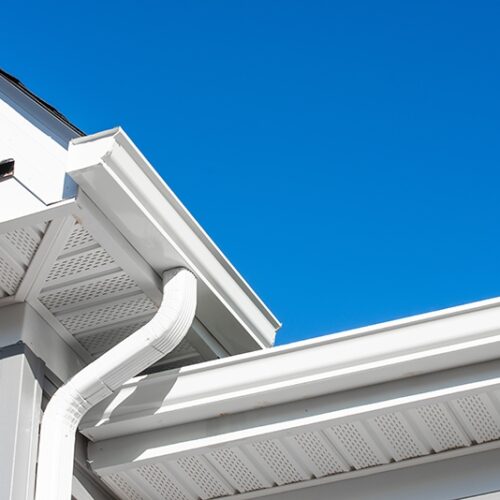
x=344, y=155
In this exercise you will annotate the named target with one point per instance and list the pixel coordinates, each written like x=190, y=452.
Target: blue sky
x=344, y=155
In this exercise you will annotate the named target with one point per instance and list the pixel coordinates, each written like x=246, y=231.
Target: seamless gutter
x=186, y=216
x=113, y=173
x=390, y=351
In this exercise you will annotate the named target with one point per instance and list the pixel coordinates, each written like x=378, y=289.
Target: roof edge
x=390, y=351
x=44, y=104
x=110, y=159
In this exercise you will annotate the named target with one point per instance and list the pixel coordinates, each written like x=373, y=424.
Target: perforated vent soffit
x=331, y=449
x=90, y=297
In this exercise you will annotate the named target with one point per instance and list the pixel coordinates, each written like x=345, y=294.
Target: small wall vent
x=6, y=169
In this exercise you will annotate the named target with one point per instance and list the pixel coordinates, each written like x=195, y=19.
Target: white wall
x=38, y=143
x=20, y=408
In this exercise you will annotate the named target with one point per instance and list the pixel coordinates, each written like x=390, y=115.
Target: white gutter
x=281, y=422
x=389, y=351
x=99, y=379
x=111, y=171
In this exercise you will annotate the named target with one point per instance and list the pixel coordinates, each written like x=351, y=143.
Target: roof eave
x=113, y=173
x=381, y=353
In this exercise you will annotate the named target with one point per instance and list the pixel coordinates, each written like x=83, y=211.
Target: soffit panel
x=84, y=292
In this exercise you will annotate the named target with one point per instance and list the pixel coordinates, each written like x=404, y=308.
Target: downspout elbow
x=106, y=374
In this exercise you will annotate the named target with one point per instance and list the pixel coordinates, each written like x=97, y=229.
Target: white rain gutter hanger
x=100, y=378
x=115, y=176
x=366, y=356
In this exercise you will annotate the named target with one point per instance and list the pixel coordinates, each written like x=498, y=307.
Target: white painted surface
x=79, y=273
x=21, y=392
x=468, y=476
x=17, y=250
x=362, y=403
x=20, y=323
x=375, y=399
x=334, y=438
x=41, y=214
x=112, y=172
x=487, y=496
x=38, y=143
x=96, y=381
x=16, y=201
x=389, y=351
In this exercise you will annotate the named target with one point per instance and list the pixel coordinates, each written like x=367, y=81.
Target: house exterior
x=136, y=363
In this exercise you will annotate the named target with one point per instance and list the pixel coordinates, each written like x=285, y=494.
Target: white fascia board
x=37, y=141
x=113, y=173
x=381, y=353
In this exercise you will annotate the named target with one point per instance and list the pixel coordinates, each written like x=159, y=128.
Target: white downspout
x=100, y=378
